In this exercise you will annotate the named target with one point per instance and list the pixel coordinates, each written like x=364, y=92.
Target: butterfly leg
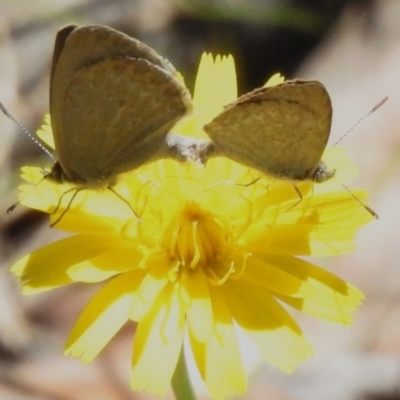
x=300, y=196
x=111, y=189
x=77, y=190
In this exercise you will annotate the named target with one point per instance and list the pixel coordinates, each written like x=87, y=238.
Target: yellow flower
x=217, y=250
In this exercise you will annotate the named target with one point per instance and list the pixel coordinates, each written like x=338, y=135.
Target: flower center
x=195, y=237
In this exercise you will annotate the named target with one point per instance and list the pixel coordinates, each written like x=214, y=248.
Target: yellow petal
x=218, y=73
x=219, y=360
x=47, y=267
x=275, y=79
x=267, y=324
x=271, y=276
x=102, y=318
x=105, y=266
x=83, y=205
x=196, y=298
x=45, y=132
x=150, y=288
x=329, y=298
x=157, y=344
x=318, y=225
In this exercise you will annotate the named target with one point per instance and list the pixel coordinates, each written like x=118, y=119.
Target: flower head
x=217, y=250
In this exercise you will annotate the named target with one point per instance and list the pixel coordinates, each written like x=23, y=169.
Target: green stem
x=180, y=381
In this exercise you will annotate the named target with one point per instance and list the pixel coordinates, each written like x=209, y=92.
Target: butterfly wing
x=280, y=130
x=103, y=86
x=117, y=113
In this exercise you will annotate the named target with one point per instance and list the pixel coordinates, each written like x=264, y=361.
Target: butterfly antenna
x=17, y=203
x=368, y=209
x=6, y=113
x=381, y=103
x=376, y=107
x=25, y=130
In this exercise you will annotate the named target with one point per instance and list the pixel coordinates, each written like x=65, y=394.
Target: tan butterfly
x=113, y=101
x=280, y=130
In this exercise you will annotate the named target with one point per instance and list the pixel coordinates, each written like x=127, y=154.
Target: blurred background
x=353, y=47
